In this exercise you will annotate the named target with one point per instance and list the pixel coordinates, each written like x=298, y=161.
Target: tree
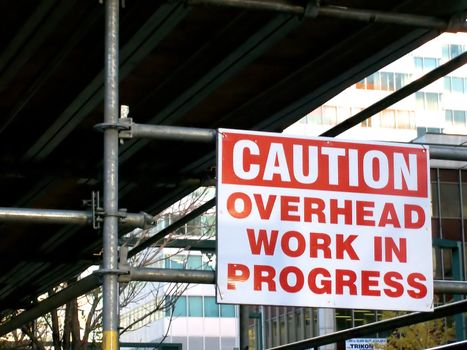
x=78, y=323
x=419, y=336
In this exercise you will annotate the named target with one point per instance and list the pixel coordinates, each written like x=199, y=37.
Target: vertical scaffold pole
x=110, y=239
x=244, y=325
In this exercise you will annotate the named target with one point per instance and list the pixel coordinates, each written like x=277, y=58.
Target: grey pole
x=75, y=217
x=315, y=10
x=166, y=132
x=244, y=324
x=110, y=239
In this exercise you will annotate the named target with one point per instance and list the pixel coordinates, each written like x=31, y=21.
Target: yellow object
x=110, y=340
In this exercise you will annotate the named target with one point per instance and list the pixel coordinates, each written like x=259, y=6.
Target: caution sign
x=324, y=223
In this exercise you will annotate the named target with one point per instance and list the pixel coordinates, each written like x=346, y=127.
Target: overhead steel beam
x=315, y=10
x=398, y=95
x=56, y=216
x=51, y=68
x=381, y=326
x=31, y=36
x=244, y=54
x=151, y=33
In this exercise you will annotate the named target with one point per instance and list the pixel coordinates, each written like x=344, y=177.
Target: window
x=452, y=50
x=227, y=310
x=428, y=100
x=455, y=117
x=426, y=63
x=194, y=262
x=455, y=84
x=329, y=115
x=179, y=309
x=195, y=306
x=211, y=309
x=388, y=81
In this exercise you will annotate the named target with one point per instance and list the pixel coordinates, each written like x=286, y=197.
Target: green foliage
x=419, y=336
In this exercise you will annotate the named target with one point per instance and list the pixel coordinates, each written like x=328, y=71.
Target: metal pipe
x=171, y=275
x=45, y=216
x=164, y=232
x=383, y=17
x=450, y=287
x=174, y=133
x=312, y=11
x=371, y=328
x=448, y=152
x=81, y=287
x=77, y=217
x=110, y=178
x=398, y=95
x=244, y=321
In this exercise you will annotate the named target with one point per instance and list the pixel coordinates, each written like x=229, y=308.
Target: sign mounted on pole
x=324, y=223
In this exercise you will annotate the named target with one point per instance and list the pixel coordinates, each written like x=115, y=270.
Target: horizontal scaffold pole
x=457, y=24
x=76, y=217
x=166, y=132
x=93, y=281
x=170, y=275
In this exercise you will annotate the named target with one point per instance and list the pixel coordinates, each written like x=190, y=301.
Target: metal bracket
x=98, y=213
x=311, y=9
x=126, y=130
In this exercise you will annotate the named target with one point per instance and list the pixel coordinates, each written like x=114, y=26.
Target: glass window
x=448, y=116
x=388, y=118
x=428, y=100
x=405, y=119
x=430, y=63
x=418, y=62
x=387, y=81
x=400, y=80
x=459, y=118
x=457, y=84
x=180, y=307
x=449, y=198
x=227, y=310
x=371, y=82
x=194, y=262
x=195, y=306
x=211, y=309
x=329, y=115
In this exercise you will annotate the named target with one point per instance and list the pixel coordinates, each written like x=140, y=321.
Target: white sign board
x=366, y=343
x=321, y=222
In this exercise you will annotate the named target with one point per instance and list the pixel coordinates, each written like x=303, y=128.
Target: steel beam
x=151, y=33
x=398, y=95
x=241, y=56
x=385, y=325
x=76, y=217
x=314, y=10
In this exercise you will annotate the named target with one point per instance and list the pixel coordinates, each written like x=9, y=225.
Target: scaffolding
x=110, y=217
